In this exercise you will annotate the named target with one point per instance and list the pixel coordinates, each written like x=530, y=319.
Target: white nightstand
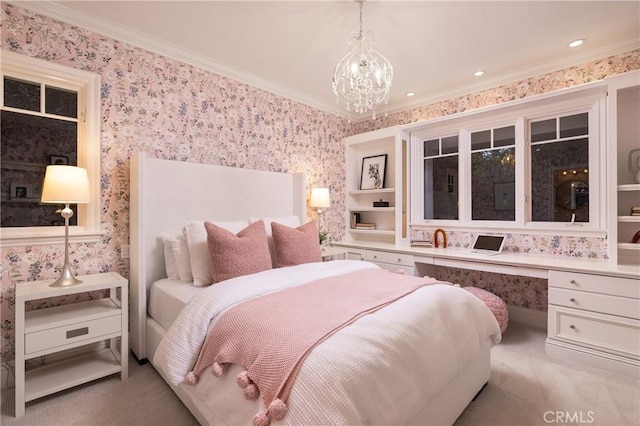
x=46, y=331
x=331, y=253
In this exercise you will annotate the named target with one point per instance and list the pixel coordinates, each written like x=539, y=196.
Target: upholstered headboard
x=165, y=195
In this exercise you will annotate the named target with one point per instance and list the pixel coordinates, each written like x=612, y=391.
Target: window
x=441, y=178
x=529, y=167
x=50, y=115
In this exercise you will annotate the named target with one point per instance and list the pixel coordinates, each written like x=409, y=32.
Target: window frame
x=87, y=85
x=591, y=101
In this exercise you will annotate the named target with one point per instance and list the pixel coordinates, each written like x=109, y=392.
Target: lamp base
x=66, y=279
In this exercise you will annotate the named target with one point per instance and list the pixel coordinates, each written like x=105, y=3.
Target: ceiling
x=291, y=47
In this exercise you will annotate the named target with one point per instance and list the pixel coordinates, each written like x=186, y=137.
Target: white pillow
x=199, y=251
x=292, y=221
x=180, y=252
x=170, y=258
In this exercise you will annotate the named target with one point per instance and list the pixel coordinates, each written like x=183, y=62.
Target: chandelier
x=362, y=79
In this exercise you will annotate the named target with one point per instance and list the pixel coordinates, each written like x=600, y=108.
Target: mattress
x=167, y=298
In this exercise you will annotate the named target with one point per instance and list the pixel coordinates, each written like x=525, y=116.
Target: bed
x=418, y=360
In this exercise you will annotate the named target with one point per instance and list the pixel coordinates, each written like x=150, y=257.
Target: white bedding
x=381, y=369
x=167, y=298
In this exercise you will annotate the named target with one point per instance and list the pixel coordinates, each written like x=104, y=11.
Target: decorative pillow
x=180, y=252
x=294, y=246
x=199, y=252
x=236, y=255
x=170, y=258
x=291, y=221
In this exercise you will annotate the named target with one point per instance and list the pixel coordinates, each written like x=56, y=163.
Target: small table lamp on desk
x=320, y=200
x=65, y=185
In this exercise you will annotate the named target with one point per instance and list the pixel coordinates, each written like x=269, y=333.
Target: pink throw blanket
x=271, y=335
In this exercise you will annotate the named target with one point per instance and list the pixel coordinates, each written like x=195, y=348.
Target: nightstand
x=331, y=253
x=46, y=331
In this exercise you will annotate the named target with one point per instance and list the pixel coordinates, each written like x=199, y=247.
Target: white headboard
x=165, y=195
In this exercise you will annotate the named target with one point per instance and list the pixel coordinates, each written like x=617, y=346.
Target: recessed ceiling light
x=576, y=43
x=410, y=93
x=478, y=73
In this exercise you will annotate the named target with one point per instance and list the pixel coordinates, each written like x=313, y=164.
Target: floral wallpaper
x=173, y=110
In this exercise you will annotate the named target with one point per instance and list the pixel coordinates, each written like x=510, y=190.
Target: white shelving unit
x=49, y=331
x=623, y=105
x=391, y=224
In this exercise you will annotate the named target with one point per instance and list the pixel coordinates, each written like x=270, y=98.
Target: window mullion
x=464, y=179
x=523, y=186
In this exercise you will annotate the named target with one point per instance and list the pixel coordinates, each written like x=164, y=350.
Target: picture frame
x=373, y=172
x=21, y=191
x=504, y=195
x=59, y=160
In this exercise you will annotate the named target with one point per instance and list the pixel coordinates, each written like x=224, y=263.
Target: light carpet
x=526, y=388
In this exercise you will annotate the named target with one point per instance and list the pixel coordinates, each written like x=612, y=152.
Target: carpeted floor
x=525, y=388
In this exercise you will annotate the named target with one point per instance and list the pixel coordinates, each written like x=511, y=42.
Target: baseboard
x=537, y=319
x=610, y=362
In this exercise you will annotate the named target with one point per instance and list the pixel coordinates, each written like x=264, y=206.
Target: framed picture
x=504, y=196
x=61, y=160
x=21, y=190
x=372, y=176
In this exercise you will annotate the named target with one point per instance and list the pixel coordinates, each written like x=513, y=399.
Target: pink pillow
x=293, y=246
x=236, y=255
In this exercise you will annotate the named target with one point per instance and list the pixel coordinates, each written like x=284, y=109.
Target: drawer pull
x=77, y=332
x=572, y=299
x=375, y=256
x=573, y=282
x=399, y=260
x=573, y=327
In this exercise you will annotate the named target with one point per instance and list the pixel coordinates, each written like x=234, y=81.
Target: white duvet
x=379, y=370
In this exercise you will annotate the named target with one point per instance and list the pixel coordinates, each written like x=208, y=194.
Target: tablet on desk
x=488, y=244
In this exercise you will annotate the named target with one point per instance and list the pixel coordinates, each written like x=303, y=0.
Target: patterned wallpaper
x=176, y=111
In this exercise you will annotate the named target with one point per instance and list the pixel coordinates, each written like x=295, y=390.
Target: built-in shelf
x=372, y=191
x=372, y=209
x=629, y=219
x=629, y=187
x=372, y=232
x=629, y=246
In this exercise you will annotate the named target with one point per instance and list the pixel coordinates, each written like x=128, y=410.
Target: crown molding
x=148, y=42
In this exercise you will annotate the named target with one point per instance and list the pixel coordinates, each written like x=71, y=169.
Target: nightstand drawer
x=392, y=258
x=605, y=332
x=615, y=286
x=71, y=333
x=613, y=305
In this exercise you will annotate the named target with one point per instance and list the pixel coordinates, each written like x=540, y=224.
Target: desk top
x=526, y=264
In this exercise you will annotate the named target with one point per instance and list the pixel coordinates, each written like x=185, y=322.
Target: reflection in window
x=493, y=165
x=441, y=178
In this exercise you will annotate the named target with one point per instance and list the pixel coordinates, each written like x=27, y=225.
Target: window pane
x=560, y=181
x=493, y=185
x=21, y=94
x=504, y=136
x=450, y=145
x=28, y=144
x=481, y=140
x=574, y=125
x=543, y=130
x=61, y=102
x=431, y=148
x=441, y=188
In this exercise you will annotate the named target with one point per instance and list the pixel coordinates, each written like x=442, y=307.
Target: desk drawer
x=614, y=286
x=613, y=305
x=71, y=333
x=392, y=258
x=599, y=331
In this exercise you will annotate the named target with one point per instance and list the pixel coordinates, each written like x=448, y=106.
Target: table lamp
x=65, y=185
x=320, y=200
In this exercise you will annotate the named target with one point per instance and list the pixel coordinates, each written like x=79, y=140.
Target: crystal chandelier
x=362, y=79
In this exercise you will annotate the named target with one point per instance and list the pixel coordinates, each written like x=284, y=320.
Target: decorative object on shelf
x=65, y=185
x=320, y=199
x=368, y=226
x=59, y=160
x=362, y=79
x=373, y=168
x=635, y=211
x=355, y=219
x=636, y=238
x=21, y=190
x=381, y=203
x=436, y=243
x=421, y=243
x=634, y=164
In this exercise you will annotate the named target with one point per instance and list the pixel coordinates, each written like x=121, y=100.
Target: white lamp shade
x=66, y=185
x=320, y=198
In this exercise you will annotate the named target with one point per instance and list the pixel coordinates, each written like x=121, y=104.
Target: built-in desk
x=593, y=312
